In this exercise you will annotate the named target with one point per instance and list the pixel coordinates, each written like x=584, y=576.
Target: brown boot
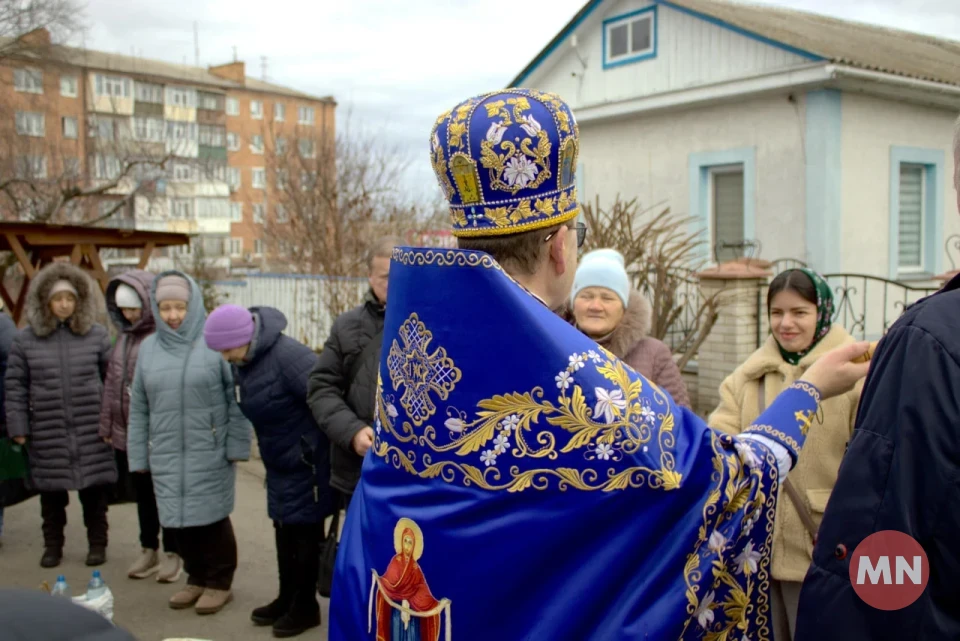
x=186, y=597
x=213, y=601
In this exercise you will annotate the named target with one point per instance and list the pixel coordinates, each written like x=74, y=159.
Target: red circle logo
x=889, y=570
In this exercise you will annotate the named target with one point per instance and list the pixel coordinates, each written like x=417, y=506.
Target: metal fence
x=300, y=298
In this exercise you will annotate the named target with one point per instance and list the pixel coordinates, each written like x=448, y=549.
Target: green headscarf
x=824, y=316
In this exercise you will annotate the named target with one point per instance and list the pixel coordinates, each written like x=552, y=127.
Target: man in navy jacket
x=901, y=472
x=270, y=371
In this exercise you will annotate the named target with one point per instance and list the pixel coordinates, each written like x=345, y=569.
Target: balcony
x=216, y=154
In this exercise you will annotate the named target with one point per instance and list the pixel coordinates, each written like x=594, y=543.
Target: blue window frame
x=722, y=197
x=916, y=212
x=630, y=37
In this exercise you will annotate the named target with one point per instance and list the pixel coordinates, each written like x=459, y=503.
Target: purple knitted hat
x=228, y=326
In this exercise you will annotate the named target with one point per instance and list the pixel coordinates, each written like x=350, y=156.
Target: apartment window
x=236, y=246
x=30, y=123
x=630, y=37
x=233, y=177
x=236, y=212
x=233, y=107
x=184, y=173
x=28, y=80
x=181, y=97
x=281, y=213
x=917, y=197
x=181, y=208
x=279, y=112
x=281, y=145
x=233, y=142
x=182, y=130
x=256, y=144
x=307, y=148
x=212, y=136
x=212, y=208
x=256, y=109
x=209, y=101
x=68, y=86
x=148, y=129
x=259, y=213
x=32, y=167
x=305, y=116
x=113, y=86
x=216, y=172
x=106, y=167
x=282, y=177
x=71, y=167
x=258, y=246
x=70, y=128
x=308, y=180
x=259, y=178
x=149, y=92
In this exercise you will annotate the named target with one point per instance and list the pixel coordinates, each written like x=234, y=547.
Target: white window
x=70, y=129
x=279, y=111
x=256, y=109
x=216, y=172
x=149, y=92
x=307, y=148
x=181, y=97
x=71, y=167
x=305, y=115
x=68, y=86
x=233, y=177
x=281, y=213
x=257, y=246
x=233, y=107
x=911, y=224
x=236, y=212
x=236, y=246
x=727, y=205
x=259, y=177
x=106, y=167
x=212, y=136
x=181, y=208
x=32, y=167
x=113, y=86
x=28, y=80
x=259, y=213
x=256, y=144
x=148, y=129
x=282, y=178
x=184, y=173
x=182, y=130
x=630, y=37
x=308, y=180
x=281, y=145
x=233, y=141
x=213, y=208
x=30, y=123
x=209, y=101
x=102, y=128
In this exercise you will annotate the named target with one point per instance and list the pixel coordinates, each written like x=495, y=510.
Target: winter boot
x=300, y=618
x=171, y=567
x=269, y=614
x=212, y=601
x=146, y=564
x=186, y=597
x=51, y=557
x=97, y=555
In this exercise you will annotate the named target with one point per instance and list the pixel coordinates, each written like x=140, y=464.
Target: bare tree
x=20, y=20
x=662, y=255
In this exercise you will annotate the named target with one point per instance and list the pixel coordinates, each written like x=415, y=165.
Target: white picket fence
x=299, y=297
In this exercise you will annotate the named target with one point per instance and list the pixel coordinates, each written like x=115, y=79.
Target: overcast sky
x=397, y=64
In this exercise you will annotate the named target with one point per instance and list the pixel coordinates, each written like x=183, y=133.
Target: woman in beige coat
x=800, y=308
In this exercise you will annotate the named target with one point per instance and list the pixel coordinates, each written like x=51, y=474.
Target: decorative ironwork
x=745, y=249
x=783, y=264
x=868, y=305
x=954, y=243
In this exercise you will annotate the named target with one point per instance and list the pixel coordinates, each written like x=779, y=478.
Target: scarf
x=824, y=316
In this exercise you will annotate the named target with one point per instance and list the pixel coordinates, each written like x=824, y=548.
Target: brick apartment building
x=74, y=117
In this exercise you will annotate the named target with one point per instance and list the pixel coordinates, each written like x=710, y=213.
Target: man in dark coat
x=344, y=382
x=270, y=373
x=901, y=472
x=8, y=329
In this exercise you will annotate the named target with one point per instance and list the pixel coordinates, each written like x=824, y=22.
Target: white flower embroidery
x=519, y=171
x=495, y=132
x=704, y=612
x=501, y=444
x=454, y=425
x=594, y=356
x=391, y=410
x=746, y=453
x=607, y=401
x=564, y=379
x=604, y=451
x=747, y=560
x=531, y=126
x=717, y=542
x=510, y=423
x=577, y=362
x=748, y=526
x=489, y=457
x=647, y=414
x=376, y=423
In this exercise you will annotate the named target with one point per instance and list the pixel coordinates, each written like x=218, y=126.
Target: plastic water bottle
x=60, y=588
x=96, y=588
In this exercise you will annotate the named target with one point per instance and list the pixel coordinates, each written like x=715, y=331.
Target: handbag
x=328, y=554
x=13, y=460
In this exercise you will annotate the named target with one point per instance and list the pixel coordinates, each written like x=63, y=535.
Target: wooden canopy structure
x=37, y=244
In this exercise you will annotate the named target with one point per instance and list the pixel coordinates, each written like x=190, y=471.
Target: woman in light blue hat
x=607, y=309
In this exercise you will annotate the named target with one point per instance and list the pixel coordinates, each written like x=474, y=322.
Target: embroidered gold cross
x=805, y=418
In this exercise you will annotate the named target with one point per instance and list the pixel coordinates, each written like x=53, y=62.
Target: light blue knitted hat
x=603, y=268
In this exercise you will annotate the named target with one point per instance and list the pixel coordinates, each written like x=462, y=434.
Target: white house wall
x=871, y=126
x=690, y=52
x=647, y=157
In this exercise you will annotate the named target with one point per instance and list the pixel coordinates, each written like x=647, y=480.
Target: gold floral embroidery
x=444, y=258
x=520, y=167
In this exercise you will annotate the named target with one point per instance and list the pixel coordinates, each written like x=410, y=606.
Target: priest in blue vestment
x=524, y=483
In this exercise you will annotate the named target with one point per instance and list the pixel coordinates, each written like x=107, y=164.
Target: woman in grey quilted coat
x=53, y=386
x=187, y=430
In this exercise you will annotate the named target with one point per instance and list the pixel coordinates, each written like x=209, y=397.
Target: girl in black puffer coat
x=53, y=385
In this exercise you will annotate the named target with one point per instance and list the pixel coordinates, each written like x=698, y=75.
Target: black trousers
x=148, y=516
x=53, y=510
x=298, y=560
x=209, y=554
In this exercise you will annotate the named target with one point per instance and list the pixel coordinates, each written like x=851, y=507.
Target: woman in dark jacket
x=53, y=385
x=271, y=372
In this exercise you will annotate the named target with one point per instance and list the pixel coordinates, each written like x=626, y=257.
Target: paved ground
x=141, y=606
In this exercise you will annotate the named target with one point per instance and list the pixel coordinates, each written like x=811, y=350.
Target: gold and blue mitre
x=506, y=162
x=524, y=483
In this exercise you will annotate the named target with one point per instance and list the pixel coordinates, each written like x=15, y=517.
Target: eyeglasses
x=581, y=229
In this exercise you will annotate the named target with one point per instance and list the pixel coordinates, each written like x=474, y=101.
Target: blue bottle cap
x=61, y=578
x=96, y=574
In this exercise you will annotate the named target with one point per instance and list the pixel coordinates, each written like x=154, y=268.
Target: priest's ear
x=561, y=244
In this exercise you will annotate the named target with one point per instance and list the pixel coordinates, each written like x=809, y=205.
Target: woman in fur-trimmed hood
x=53, y=385
x=607, y=309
